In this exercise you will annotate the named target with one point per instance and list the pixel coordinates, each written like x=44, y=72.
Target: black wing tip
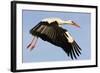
x=75, y=51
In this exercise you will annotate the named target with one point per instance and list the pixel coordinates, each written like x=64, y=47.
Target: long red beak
x=75, y=24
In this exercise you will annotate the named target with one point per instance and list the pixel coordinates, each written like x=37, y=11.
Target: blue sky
x=45, y=51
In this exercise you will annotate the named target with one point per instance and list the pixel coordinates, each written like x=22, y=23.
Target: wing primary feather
x=77, y=48
x=66, y=51
x=70, y=52
x=74, y=52
x=77, y=45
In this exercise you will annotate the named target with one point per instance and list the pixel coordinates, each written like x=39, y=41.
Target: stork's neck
x=66, y=22
x=60, y=21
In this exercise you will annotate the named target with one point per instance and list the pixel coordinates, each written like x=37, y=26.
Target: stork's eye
x=73, y=22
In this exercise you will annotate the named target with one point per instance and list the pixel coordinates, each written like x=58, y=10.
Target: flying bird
x=49, y=29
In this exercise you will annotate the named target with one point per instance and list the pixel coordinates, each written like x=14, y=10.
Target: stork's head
x=70, y=22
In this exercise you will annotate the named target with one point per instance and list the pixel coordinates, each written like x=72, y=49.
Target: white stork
x=49, y=30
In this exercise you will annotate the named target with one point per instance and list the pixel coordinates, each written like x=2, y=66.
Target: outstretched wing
x=72, y=48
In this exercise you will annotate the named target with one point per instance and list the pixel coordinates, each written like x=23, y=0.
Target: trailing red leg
x=33, y=43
